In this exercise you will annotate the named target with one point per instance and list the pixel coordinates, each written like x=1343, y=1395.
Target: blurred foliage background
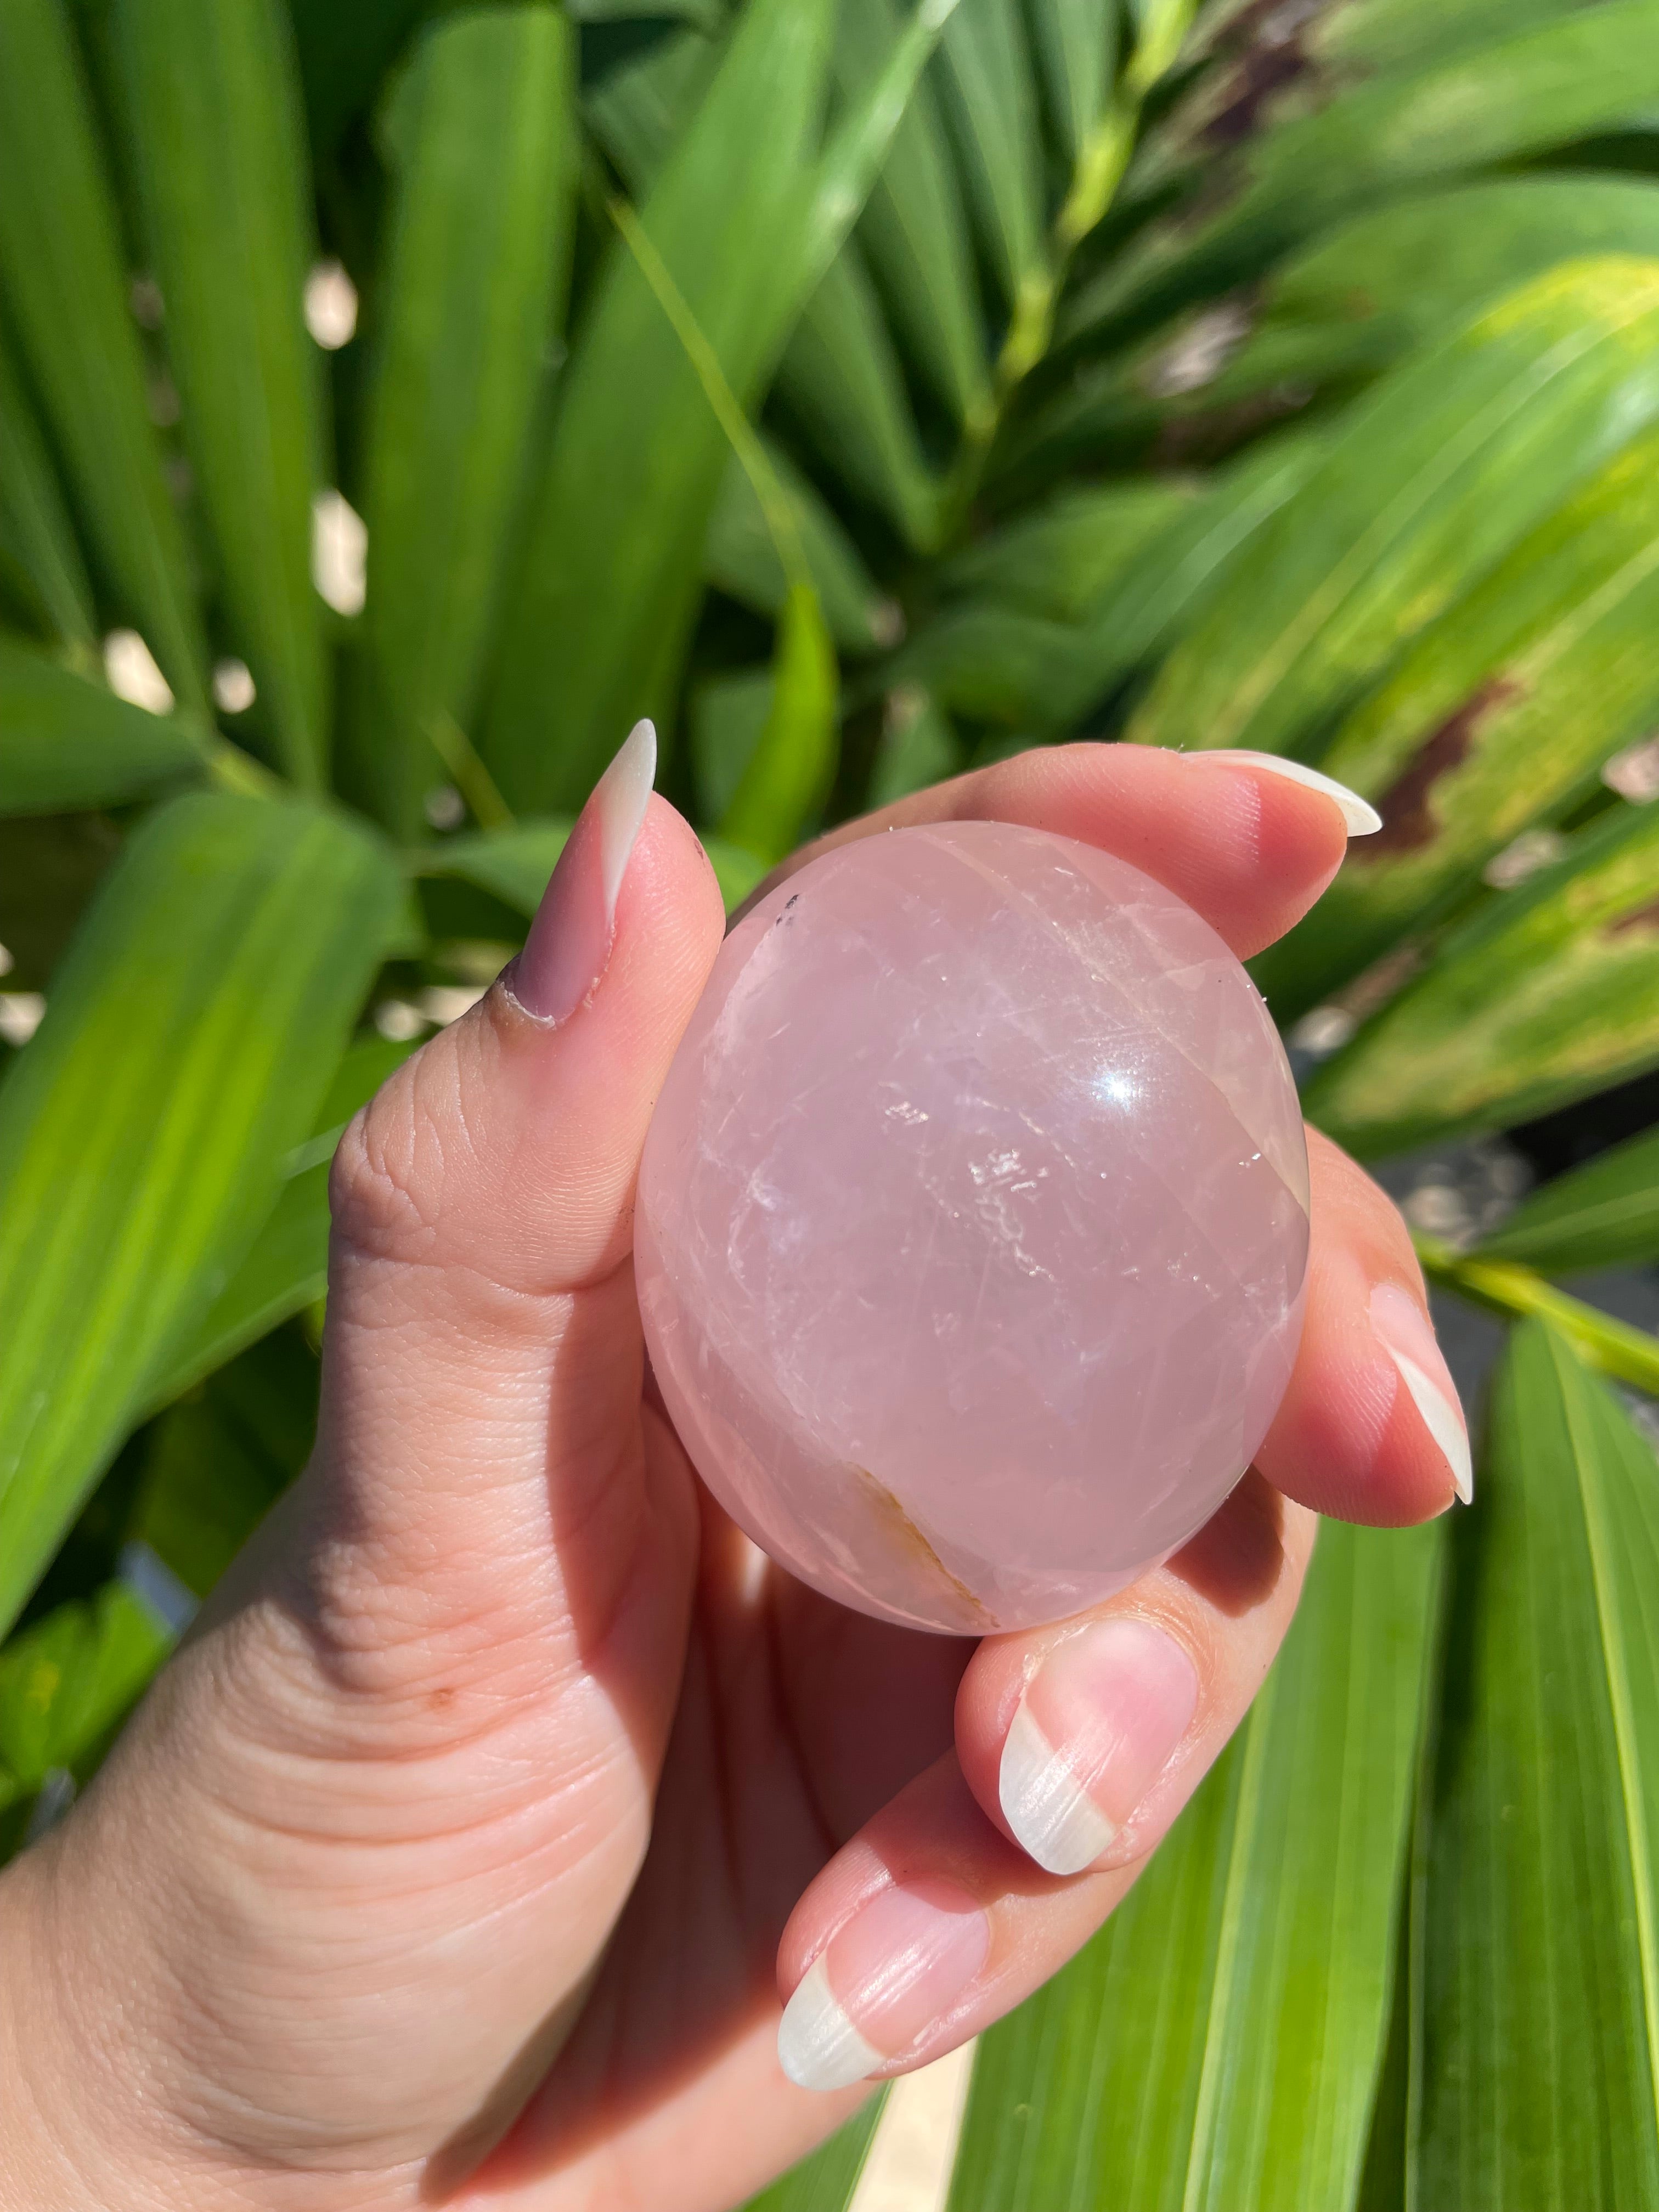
x=397, y=400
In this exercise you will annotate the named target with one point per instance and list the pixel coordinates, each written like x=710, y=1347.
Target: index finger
x=1247, y=840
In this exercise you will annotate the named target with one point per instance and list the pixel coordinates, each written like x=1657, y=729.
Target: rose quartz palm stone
x=973, y=1226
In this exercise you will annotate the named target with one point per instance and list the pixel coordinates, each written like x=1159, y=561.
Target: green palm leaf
x=191, y=1032
x=1540, y=2007
x=66, y=295
x=212, y=115
x=1218, y=2043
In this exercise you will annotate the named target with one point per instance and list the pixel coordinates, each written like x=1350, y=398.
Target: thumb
x=412, y=1744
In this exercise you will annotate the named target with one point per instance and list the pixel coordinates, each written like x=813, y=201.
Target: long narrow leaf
x=1431, y=479
x=1550, y=993
x=600, y=615
x=1540, y=2032
x=1585, y=69
x=788, y=774
x=915, y=231
x=841, y=381
x=213, y=116
x=66, y=295
x=989, y=96
x=1604, y=1214
x=191, y=1033
x=484, y=141
x=36, y=534
x=1218, y=2043
x=286, y=1267
x=741, y=558
x=1498, y=717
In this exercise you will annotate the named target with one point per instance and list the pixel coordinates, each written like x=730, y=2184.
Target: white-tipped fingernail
x=569, y=941
x=1362, y=818
x=1057, y=1823
x=883, y=1983
x=1406, y=1335
x=1100, y=1720
x=818, y=2046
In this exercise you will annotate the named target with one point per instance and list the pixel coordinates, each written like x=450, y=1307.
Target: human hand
x=466, y=1850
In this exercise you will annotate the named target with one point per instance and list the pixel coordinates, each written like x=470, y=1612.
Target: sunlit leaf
x=191, y=1034
x=1551, y=992
x=1218, y=2043
x=1266, y=189
x=1428, y=265
x=1429, y=481
x=914, y=232
x=598, y=618
x=787, y=776
x=1541, y=1975
x=484, y=136
x=286, y=1267
x=1498, y=717
x=66, y=295
x=988, y=93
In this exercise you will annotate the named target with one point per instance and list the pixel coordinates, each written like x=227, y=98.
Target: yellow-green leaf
x=1550, y=993
x=1429, y=481
x=286, y=1267
x=608, y=584
x=788, y=774
x=1496, y=718
x=1218, y=2043
x=189, y=1037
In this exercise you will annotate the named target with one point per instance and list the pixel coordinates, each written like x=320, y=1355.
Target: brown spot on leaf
x=907, y=1539
x=1408, y=823
x=1270, y=41
x=1644, y=917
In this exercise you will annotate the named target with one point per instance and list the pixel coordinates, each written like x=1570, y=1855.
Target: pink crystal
x=972, y=1226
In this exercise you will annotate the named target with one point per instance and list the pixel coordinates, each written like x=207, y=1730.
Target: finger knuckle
x=387, y=1185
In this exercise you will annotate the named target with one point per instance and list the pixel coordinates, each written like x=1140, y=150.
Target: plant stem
x=1095, y=180
x=1505, y=1287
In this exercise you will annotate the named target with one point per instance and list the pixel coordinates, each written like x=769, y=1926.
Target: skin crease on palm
x=467, y=1852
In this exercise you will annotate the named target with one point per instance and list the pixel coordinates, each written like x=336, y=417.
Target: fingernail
x=569, y=941
x=1406, y=1335
x=1361, y=817
x=901, y=1962
x=1099, y=1721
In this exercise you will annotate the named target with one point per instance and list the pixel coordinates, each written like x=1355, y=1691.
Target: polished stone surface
x=973, y=1224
